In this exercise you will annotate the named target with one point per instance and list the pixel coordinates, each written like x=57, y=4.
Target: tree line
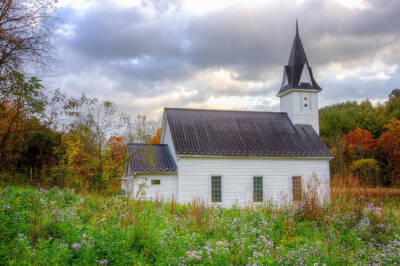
x=49, y=138
x=364, y=139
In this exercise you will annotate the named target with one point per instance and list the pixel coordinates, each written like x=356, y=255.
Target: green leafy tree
x=38, y=151
x=339, y=119
x=393, y=108
x=21, y=99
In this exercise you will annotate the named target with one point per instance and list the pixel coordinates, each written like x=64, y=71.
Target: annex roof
x=150, y=158
x=242, y=133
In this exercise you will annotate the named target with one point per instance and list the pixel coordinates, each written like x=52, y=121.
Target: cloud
x=151, y=54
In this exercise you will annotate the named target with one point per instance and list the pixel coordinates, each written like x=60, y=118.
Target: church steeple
x=297, y=74
x=299, y=91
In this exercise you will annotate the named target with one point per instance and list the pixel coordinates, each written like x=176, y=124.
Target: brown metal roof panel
x=241, y=133
x=150, y=158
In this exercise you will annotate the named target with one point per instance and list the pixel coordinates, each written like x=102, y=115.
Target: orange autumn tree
x=7, y=117
x=117, y=149
x=11, y=123
x=389, y=145
x=156, y=138
x=115, y=157
x=360, y=141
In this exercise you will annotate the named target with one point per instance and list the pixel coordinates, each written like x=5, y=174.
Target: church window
x=216, y=189
x=296, y=188
x=258, y=189
x=155, y=181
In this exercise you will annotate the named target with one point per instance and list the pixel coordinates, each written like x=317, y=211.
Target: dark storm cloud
x=157, y=47
x=247, y=39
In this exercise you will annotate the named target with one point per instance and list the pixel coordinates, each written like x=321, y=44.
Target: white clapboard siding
x=168, y=140
x=301, y=107
x=194, y=177
x=165, y=190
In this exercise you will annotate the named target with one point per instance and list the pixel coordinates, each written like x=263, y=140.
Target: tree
x=389, y=145
x=100, y=121
x=394, y=94
x=117, y=149
x=55, y=116
x=338, y=162
x=78, y=166
x=339, y=119
x=360, y=140
x=26, y=94
x=20, y=99
x=25, y=31
x=366, y=169
x=138, y=129
x=156, y=138
x=393, y=107
x=115, y=161
x=37, y=151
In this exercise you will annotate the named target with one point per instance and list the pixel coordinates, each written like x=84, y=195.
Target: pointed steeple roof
x=297, y=73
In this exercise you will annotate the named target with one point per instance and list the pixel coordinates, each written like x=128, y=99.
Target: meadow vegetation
x=60, y=226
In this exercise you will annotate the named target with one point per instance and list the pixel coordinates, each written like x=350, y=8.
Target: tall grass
x=57, y=226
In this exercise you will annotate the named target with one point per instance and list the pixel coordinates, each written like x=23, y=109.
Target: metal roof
x=293, y=71
x=150, y=158
x=242, y=133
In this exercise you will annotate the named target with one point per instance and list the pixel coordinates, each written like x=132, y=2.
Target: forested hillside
x=364, y=139
x=79, y=142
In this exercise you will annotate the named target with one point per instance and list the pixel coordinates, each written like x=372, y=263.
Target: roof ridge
x=301, y=124
x=221, y=110
x=146, y=144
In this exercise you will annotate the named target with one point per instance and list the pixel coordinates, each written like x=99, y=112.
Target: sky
x=145, y=55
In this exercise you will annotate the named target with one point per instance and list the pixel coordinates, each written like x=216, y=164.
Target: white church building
x=239, y=158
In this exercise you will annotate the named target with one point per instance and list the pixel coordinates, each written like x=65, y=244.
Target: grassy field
x=59, y=227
